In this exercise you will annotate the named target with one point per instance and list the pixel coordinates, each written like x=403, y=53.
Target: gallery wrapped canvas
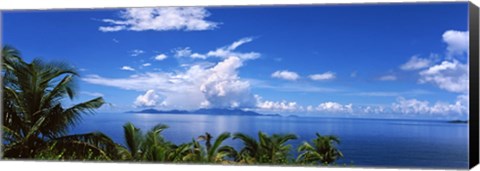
x=389, y=85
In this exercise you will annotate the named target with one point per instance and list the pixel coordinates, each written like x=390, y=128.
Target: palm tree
x=250, y=151
x=180, y=153
x=274, y=146
x=35, y=120
x=133, y=138
x=267, y=150
x=217, y=152
x=323, y=150
x=148, y=147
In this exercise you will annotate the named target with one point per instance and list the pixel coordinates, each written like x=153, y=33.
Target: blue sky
x=400, y=61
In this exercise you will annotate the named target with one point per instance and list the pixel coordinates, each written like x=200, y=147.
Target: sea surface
x=364, y=142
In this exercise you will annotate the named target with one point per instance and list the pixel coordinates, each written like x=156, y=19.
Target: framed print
x=388, y=85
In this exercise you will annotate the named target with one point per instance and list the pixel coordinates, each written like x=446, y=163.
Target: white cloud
x=141, y=82
x=146, y=64
x=127, y=68
x=94, y=94
x=414, y=106
x=199, y=56
x=149, y=99
x=416, y=63
x=228, y=51
x=334, y=107
x=203, y=86
x=223, y=88
x=222, y=52
x=310, y=108
x=160, y=57
x=388, y=78
x=282, y=106
x=448, y=75
x=400, y=106
x=161, y=19
x=182, y=52
x=111, y=28
x=373, y=110
x=115, y=40
x=136, y=52
x=457, y=42
x=324, y=76
x=411, y=106
x=286, y=75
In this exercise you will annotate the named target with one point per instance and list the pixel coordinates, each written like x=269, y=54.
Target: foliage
x=267, y=150
x=34, y=119
x=148, y=147
x=323, y=151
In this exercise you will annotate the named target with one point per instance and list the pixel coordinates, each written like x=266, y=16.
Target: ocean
x=364, y=142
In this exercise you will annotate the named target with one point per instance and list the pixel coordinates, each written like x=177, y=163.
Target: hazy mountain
x=212, y=111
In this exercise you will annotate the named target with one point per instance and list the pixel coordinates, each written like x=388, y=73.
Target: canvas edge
x=1, y=84
x=474, y=85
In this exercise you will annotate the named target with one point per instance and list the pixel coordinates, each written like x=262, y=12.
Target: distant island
x=212, y=111
x=458, y=121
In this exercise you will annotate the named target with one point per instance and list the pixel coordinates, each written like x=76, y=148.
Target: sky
x=383, y=61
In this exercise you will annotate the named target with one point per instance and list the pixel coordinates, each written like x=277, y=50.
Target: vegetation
x=34, y=119
x=36, y=123
x=323, y=151
x=267, y=150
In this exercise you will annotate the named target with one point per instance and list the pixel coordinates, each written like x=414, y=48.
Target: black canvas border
x=473, y=87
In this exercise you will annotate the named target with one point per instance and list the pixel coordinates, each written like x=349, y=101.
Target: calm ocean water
x=364, y=142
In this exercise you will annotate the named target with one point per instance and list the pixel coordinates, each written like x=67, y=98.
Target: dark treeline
x=35, y=125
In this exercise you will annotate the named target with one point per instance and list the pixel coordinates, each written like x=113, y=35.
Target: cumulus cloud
x=203, y=86
x=334, y=107
x=286, y=75
x=127, y=68
x=160, y=57
x=146, y=64
x=160, y=19
x=411, y=106
x=373, y=110
x=457, y=42
x=388, y=78
x=400, y=106
x=448, y=75
x=149, y=99
x=223, y=88
x=136, y=52
x=416, y=63
x=277, y=106
x=414, y=106
x=324, y=76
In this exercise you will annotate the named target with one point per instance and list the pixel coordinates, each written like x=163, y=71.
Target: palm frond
x=97, y=143
x=132, y=138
